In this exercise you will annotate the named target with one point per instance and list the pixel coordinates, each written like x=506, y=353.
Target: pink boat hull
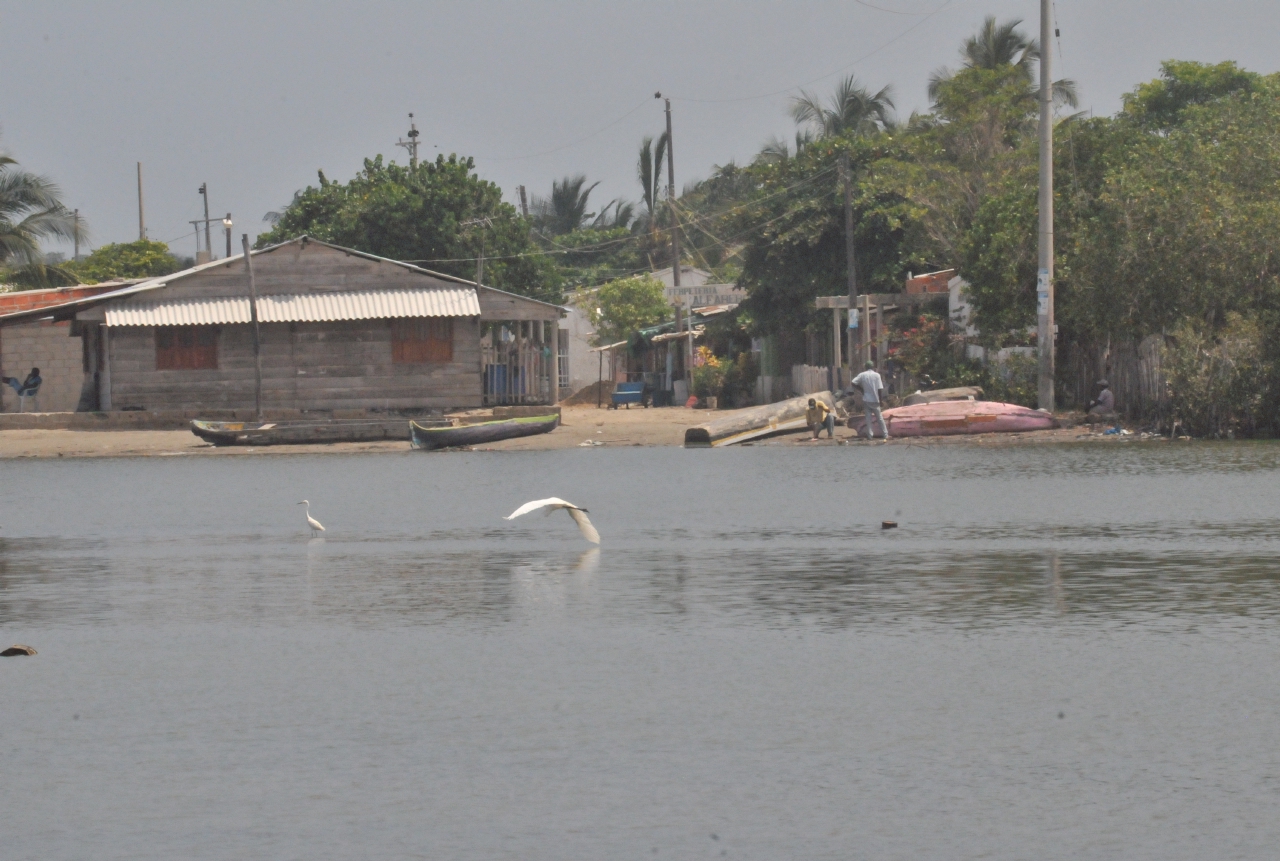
x=947, y=418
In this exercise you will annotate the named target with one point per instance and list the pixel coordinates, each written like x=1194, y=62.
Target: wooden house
x=339, y=330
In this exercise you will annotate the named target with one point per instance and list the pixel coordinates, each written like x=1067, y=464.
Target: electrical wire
x=927, y=17
x=572, y=143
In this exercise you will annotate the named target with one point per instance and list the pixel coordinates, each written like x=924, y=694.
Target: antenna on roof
x=412, y=143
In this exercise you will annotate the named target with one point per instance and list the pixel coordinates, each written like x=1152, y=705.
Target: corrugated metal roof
x=300, y=308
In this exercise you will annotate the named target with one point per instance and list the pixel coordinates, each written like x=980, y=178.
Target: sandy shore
x=609, y=428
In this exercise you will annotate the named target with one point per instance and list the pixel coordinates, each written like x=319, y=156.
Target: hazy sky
x=254, y=97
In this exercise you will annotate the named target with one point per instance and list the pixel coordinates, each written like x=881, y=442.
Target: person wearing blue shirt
x=27, y=386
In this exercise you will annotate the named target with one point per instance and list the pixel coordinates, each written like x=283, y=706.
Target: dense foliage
x=620, y=307
x=420, y=214
x=141, y=259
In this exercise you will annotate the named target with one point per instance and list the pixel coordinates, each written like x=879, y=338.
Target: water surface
x=1062, y=652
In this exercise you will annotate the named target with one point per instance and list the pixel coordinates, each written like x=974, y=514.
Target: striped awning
x=299, y=308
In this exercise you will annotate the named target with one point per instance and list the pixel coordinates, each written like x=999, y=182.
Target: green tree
x=998, y=46
x=566, y=209
x=621, y=307
x=31, y=210
x=416, y=214
x=853, y=110
x=1159, y=104
x=140, y=259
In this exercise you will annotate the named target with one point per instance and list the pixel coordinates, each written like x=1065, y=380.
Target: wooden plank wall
x=307, y=366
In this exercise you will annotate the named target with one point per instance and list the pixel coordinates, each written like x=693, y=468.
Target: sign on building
x=705, y=294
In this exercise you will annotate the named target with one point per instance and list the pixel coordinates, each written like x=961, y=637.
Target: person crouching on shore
x=819, y=416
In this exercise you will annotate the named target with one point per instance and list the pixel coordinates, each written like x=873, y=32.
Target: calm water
x=1065, y=652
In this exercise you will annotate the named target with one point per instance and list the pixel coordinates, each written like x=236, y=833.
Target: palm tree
x=853, y=109
x=30, y=210
x=649, y=172
x=995, y=46
x=566, y=209
x=623, y=213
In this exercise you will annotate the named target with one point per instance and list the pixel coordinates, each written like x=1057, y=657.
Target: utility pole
x=142, y=220
x=1044, y=281
x=850, y=260
x=75, y=224
x=253, y=318
x=675, y=236
x=412, y=143
x=482, y=221
x=524, y=202
x=671, y=198
x=208, y=240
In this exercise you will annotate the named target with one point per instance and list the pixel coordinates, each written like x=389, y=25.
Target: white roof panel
x=299, y=308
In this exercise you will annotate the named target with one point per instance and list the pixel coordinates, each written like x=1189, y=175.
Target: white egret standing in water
x=316, y=528
x=579, y=515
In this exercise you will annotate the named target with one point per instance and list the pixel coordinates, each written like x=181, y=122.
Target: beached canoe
x=428, y=438
x=946, y=418
x=303, y=432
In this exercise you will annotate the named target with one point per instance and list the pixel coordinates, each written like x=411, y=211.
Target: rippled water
x=1063, y=652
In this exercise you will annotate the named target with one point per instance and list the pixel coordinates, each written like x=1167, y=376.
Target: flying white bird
x=311, y=521
x=579, y=515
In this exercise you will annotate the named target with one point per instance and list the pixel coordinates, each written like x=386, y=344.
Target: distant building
x=340, y=330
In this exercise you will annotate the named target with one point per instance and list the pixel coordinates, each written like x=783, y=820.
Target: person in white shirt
x=872, y=388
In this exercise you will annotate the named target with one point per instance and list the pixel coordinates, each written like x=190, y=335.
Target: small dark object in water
x=888, y=524
x=14, y=651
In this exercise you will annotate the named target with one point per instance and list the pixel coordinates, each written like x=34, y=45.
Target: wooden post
x=836, y=359
x=881, y=340
x=253, y=319
x=864, y=329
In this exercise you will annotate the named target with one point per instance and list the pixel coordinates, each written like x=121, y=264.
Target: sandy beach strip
x=580, y=425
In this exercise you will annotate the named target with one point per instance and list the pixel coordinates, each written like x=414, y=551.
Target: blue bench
x=629, y=393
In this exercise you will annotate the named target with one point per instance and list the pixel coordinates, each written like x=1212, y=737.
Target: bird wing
x=584, y=525
x=315, y=524
x=535, y=505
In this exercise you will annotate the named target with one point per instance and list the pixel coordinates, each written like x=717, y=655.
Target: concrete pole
x=1044, y=280
x=253, y=318
x=142, y=219
x=208, y=243
x=850, y=260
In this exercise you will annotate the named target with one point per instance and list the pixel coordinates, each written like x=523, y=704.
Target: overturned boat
x=304, y=432
x=948, y=418
x=429, y=438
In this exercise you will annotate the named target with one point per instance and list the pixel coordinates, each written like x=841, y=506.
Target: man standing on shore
x=872, y=389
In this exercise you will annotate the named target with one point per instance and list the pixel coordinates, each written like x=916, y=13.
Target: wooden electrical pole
x=1044, y=281
x=671, y=201
x=524, y=202
x=253, y=319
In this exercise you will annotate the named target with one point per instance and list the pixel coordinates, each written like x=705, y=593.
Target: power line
x=843, y=68
x=572, y=143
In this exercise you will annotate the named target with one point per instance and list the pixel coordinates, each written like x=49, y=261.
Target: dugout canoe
x=755, y=422
x=948, y=418
x=303, y=432
x=430, y=438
